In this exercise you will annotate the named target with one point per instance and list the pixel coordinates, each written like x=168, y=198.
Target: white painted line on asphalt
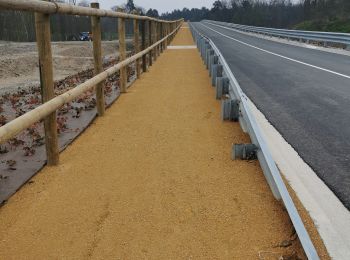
x=272, y=53
x=181, y=47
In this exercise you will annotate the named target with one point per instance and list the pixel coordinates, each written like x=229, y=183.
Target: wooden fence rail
x=60, y=8
x=47, y=111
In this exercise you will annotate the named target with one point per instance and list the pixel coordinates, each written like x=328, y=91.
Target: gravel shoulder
x=152, y=179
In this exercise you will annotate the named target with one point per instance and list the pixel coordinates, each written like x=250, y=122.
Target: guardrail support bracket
x=244, y=152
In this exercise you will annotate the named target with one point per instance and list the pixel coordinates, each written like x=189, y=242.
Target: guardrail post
x=222, y=87
x=122, y=53
x=230, y=110
x=150, y=31
x=203, y=45
x=43, y=38
x=213, y=60
x=244, y=152
x=210, y=52
x=98, y=66
x=143, y=36
x=216, y=72
x=137, y=45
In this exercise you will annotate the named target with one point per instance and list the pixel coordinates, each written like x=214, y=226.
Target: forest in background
x=321, y=15
x=19, y=26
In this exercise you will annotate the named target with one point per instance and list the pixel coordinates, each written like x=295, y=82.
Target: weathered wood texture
x=122, y=53
x=150, y=40
x=43, y=36
x=97, y=50
x=144, y=45
x=137, y=46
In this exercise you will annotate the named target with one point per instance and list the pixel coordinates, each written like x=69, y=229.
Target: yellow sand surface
x=152, y=179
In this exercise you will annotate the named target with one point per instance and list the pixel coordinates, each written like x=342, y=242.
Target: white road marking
x=275, y=54
x=182, y=47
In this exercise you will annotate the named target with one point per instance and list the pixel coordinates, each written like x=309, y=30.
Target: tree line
x=20, y=26
x=323, y=15
x=328, y=15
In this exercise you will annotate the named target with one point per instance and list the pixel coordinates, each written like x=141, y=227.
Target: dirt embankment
x=19, y=61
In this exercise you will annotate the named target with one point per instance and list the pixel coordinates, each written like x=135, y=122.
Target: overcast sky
x=161, y=5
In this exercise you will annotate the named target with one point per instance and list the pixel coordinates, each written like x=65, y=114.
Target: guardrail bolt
x=244, y=152
x=222, y=87
x=230, y=110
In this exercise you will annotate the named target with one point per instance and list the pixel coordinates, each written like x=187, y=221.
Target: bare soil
x=19, y=61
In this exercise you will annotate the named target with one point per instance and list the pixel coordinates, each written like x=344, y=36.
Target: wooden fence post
x=122, y=53
x=43, y=38
x=155, y=40
x=143, y=35
x=137, y=45
x=96, y=37
x=162, y=35
x=169, y=31
x=158, y=38
x=166, y=34
x=150, y=39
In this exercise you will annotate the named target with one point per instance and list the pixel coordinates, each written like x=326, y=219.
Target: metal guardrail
x=307, y=36
x=221, y=73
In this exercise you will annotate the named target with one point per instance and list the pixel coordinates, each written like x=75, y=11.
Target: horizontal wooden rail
x=60, y=8
x=45, y=8
x=21, y=123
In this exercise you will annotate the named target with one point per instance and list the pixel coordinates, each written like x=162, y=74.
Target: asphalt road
x=304, y=93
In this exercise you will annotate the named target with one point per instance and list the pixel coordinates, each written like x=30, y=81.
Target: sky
x=161, y=5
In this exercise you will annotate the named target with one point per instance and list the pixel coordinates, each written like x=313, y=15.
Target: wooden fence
x=159, y=34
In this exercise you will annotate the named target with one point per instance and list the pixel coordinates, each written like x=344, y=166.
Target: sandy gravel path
x=153, y=179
